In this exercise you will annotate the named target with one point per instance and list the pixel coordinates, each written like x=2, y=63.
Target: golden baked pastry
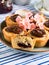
x=11, y=31
x=11, y=20
x=41, y=37
x=23, y=42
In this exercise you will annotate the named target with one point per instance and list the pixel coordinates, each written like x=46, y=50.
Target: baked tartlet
x=23, y=42
x=11, y=20
x=11, y=31
x=41, y=37
x=46, y=25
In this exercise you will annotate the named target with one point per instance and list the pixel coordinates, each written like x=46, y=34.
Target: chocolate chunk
x=24, y=45
x=47, y=23
x=37, y=32
x=14, y=29
x=27, y=29
x=13, y=18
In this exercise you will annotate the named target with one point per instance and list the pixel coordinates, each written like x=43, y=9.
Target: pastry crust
x=23, y=42
x=8, y=35
x=9, y=22
x=41, y=41
x=47, y=29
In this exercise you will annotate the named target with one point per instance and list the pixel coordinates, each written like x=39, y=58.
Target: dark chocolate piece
x=24, y=45
x=13, y=18
x=14, y=29
x=37, y=32
x=47, y=23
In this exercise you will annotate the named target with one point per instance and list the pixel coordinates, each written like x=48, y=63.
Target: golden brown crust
x=46, y=28
x=9, y=22
x=40, y=42
x=7, y=35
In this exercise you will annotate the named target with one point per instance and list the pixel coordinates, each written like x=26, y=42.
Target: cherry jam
x=5, y=6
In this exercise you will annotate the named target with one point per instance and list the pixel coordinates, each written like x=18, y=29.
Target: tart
x=23, y=42
x=40, y=35
x=11, y=20
x=46, y=26
x=11, y=31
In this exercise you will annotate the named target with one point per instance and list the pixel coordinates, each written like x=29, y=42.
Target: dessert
x=41, y=37
x=11, y=20
x=26, y=30
x=12, y=31
x=23, y=42
x=46, y=25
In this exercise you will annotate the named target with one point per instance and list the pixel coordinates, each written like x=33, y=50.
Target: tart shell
x=8, y=35
x=41, y=41
x=9, y=22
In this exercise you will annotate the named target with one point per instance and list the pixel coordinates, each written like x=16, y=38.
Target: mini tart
x=11, y=31
x=41, y=37
x=11, y=20
x=46, y=25
x=23, y=42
